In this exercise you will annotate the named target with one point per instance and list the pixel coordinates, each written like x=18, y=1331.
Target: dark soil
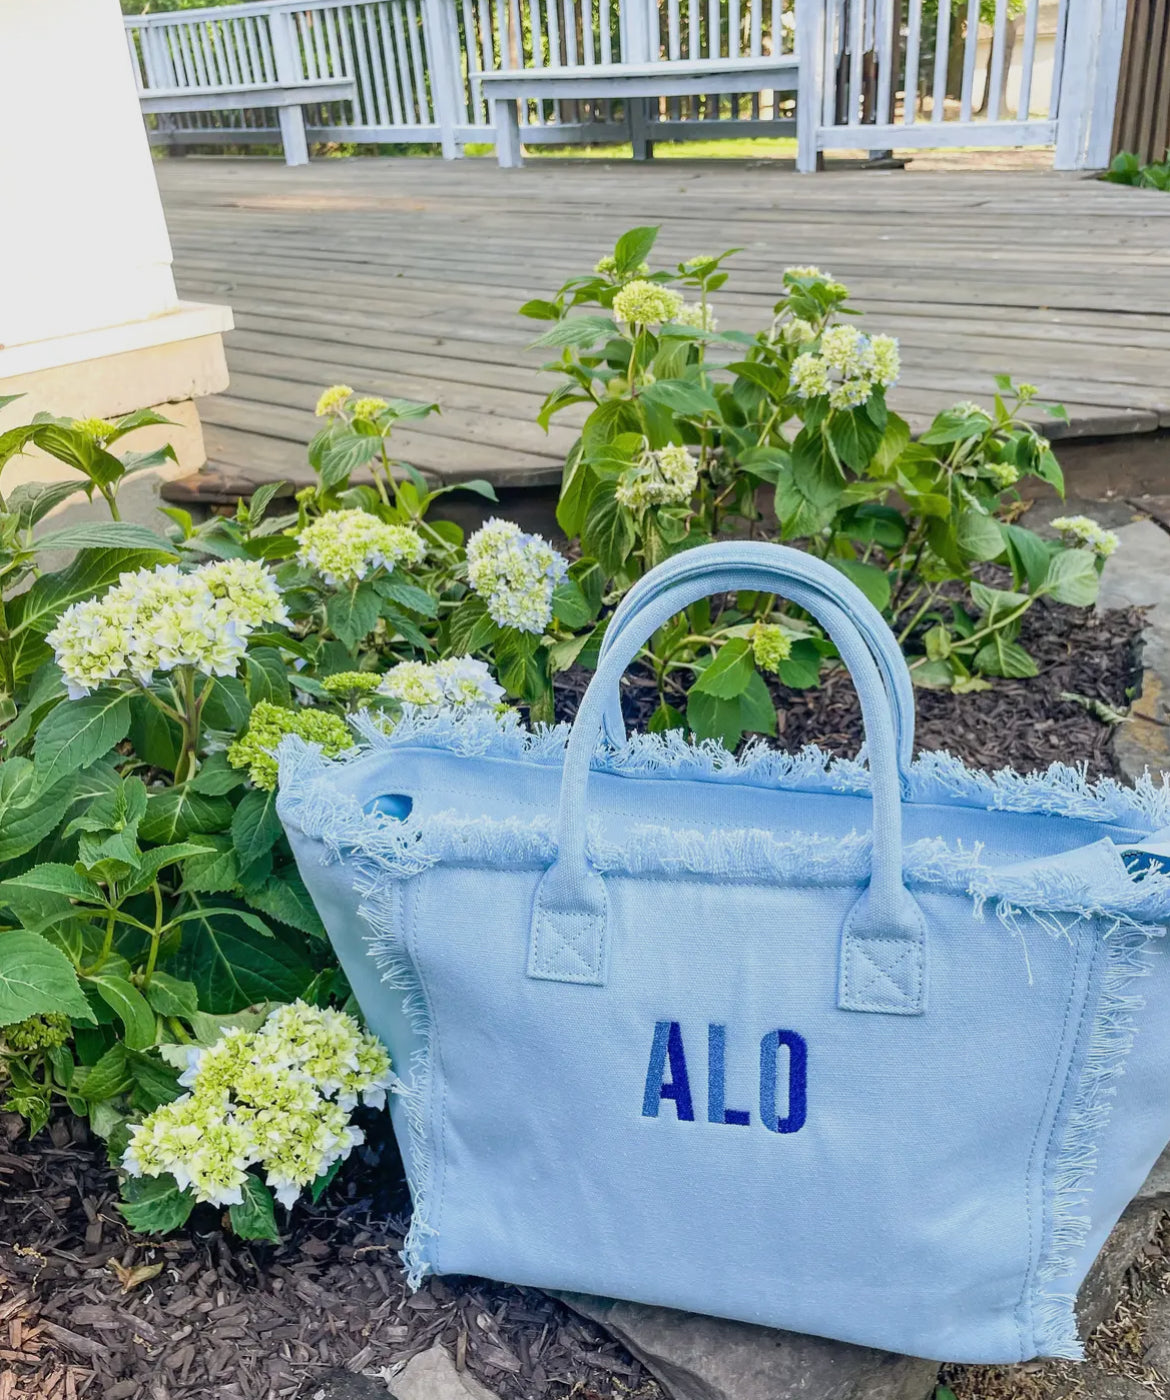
x=1022, y=724
x=88, y=1309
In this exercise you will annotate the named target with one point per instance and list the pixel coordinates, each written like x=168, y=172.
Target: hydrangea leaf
x=255, y=1217
x=176, y=813
x=255, y=826
x=352, y=614
x=171, y=997
x=36, y=977
x=154, y=1205
x=129, y=1005
x=233, y=966
x=80, y=731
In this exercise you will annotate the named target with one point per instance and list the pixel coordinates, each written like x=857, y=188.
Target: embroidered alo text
x=668, y=1079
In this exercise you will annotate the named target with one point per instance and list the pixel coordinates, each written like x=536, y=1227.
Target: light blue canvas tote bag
x=872, y=1049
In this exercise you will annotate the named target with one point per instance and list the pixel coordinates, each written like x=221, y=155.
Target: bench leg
x=508, y=152
x=292, y=135
x=640, y=128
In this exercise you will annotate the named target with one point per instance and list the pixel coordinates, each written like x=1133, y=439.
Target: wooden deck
x=403, y=277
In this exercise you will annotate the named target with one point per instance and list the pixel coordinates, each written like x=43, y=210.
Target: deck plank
x=402, y=276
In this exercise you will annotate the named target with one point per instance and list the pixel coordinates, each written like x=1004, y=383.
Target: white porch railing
x=890, y=73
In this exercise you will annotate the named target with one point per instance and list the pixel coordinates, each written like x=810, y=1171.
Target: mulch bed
x=1023, y=724
x=87, y=1309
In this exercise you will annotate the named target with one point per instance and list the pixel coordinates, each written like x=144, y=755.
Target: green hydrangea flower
x=37, y=1032
x=770, y=646
x=269, y=724
x=352, y=683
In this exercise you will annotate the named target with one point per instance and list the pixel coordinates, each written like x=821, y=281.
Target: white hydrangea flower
x=278, y=1098
x=850, y=393
x=697, y=315
x=885, y=359
x=158, y=619
x=344, y=546
x=846, y=350
x=666, y=477
x=1003, y=474
x=809, y=376
x=515, y=574
x=467, y=683
x=459, y=683
x=1083, y=530
x=413, y=683
x=798, y=331
x=645, y=303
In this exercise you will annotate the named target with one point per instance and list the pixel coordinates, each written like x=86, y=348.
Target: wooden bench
x=632, y=81
x=289, y=99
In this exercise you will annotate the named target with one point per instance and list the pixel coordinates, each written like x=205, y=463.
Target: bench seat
x=665, y=78
x=287, y=98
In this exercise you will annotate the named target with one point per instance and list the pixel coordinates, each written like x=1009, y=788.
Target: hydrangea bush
x=691, y=433
x=162, y=969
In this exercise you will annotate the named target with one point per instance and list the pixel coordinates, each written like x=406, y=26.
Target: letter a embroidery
x=668, y=1045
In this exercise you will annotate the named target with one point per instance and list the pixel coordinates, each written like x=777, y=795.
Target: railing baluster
x=913, y=55
x=995, y=77
x=605, y=19
x=884, y=47
x=264, y=38
x=942, y=48
x=971, y=44
x=856, y=47
x=419, y=104
x=393, y=77
x=1027, y=61
x=378, y=66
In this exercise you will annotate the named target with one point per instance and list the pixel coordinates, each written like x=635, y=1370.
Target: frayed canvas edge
x=383, y=916
x=936, y=776
x=1111, y=1037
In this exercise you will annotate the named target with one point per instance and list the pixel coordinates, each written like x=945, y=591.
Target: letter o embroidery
x=770, y=1047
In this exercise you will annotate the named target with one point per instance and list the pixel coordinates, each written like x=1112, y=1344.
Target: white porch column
x=90, y=323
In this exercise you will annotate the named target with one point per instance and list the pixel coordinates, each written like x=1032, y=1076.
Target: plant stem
x=155, y=938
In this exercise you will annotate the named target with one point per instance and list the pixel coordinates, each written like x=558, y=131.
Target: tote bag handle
x=882, y=958
x=808, y=576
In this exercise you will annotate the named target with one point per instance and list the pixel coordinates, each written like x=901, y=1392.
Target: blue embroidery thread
x=668, y=1045
x=793, y=1121
x=717, y=1110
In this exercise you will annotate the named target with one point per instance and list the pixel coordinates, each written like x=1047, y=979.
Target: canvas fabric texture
x=874, y=1049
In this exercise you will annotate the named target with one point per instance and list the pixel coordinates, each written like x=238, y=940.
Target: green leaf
x=171, y=997
x=255, y=826
x=227, y=707
x=267, y=676
x=31, y=501
x=36, y=977
x=570, y=605
x=408, y=595
x=158, y=858
x=728, y=675
x=154, y=1205
x=809, y=493
x=1000, y=657
x=757, y=709
x=45, y=894
x=538, y=310
x=634, y=247
x=1028, y=555
x=801, y=669
x=233, y=966
x=855, y=437
x=665, y=717
x=208, y=1028
x=319, y=1185
x=352, y=614
x=29, y=807
x=214, y=872
x=682, y=397
x=107, y=1078
x=979, y=536
x=577, y=330
x=178, y=812
x=1072, y=578
x=155, y=1082
x=216, y=776
x=104, y=534
x=286, y=899
x=255, y=1217
x=344, y=453
x=608, y=532
x=79, y=731
x=873, y=582
x=130, y=1007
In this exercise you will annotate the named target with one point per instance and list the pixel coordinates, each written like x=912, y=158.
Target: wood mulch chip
x=253, y=1322
x=1022, y=724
